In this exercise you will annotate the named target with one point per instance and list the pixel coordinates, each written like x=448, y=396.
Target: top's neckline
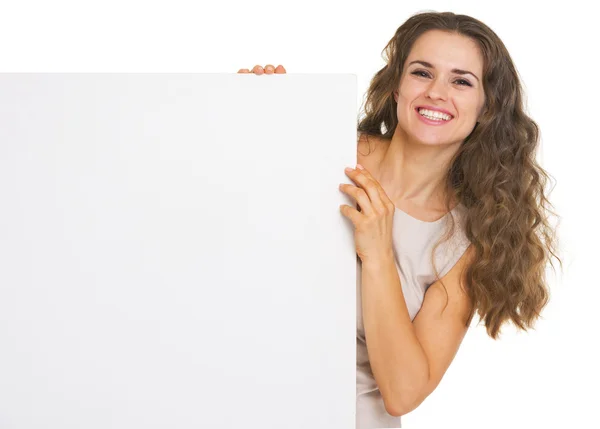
x=453, y=211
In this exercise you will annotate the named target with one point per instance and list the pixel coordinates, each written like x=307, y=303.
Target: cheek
x=406, y=97
x=409, y=92
x=468, y=107
x=477, y=102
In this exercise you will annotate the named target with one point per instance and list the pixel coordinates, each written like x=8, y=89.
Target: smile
x=436, y=121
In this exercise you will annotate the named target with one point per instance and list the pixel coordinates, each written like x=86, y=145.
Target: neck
x=415, y=172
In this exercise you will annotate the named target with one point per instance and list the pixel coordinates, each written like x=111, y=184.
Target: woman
x=453, y=216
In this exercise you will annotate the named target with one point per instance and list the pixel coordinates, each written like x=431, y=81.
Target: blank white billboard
x=172, y=253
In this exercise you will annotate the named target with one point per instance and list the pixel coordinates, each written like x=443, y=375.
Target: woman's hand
x=269, y=69
x=373, y=223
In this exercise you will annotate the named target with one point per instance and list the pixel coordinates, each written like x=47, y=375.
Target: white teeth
x=430, y=114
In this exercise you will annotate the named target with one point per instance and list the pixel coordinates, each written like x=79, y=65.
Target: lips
x=435, y=109
x=431, y=121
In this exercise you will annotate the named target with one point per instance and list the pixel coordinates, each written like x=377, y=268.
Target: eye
x=466, y=82
x=425, y=74
x=420, y=73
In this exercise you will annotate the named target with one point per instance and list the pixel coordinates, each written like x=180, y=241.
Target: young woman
x=453, y=215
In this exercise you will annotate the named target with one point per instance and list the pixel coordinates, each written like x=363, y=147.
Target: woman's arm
x=408, y=359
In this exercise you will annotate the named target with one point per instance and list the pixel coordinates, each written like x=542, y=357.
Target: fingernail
x=360, y=166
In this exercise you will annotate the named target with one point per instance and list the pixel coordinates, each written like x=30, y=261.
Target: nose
x=437, y=90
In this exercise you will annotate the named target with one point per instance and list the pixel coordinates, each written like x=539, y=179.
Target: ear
x=396, y=96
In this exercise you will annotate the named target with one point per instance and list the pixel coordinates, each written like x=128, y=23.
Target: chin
x=430, y=140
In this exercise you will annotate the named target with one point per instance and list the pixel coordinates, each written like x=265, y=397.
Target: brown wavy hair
x=494, y=174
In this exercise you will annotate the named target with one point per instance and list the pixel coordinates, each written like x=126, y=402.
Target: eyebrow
x=457, y=71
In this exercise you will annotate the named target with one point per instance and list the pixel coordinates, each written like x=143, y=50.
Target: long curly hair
x=494, y=174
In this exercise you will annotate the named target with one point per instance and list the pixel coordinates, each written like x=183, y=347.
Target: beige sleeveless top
x=413, y=241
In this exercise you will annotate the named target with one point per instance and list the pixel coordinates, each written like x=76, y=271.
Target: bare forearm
x=397, y=359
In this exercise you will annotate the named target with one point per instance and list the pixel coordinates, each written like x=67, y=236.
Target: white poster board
x=172, y=253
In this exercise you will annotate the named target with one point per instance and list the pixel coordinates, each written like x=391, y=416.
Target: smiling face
x=433, y=75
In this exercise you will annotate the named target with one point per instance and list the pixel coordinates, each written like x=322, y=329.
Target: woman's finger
x=369, y=186
x=269, y=69
x=351, y=213
x=359, y=195
x=382, y=194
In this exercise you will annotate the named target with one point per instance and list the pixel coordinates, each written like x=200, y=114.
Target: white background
x=546, y=378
